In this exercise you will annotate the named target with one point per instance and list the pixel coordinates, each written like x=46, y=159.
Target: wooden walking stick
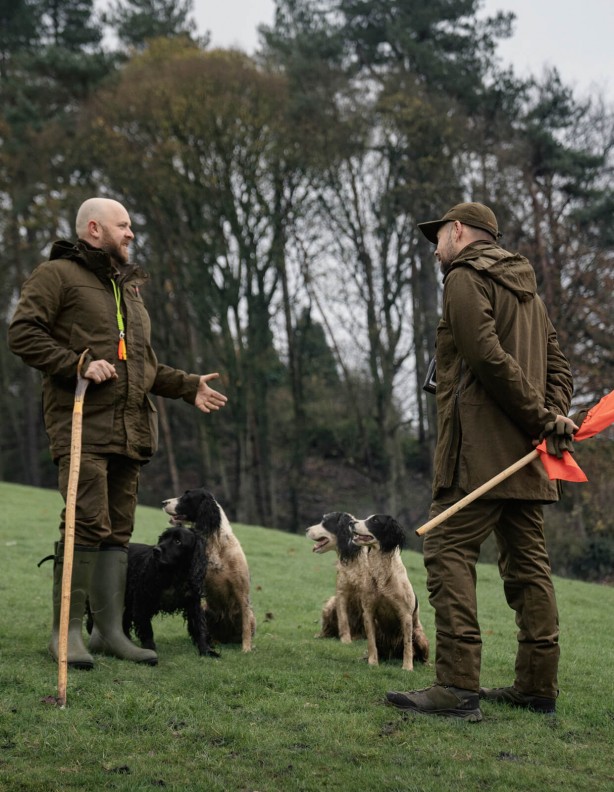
x=69, y=531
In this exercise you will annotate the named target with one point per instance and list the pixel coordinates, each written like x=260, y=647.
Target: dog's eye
x=177, y=541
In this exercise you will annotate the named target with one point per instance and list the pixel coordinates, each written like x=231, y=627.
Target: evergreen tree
x=137, y=21
x=69, y=24
x=19, y=30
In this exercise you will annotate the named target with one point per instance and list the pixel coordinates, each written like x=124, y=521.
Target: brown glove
x=559, y=436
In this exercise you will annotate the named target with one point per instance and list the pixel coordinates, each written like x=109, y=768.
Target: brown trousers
x=451, y=551
x=106, y=498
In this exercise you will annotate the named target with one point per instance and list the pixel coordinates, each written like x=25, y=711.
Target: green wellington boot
x=84, y=559
x=107, y=590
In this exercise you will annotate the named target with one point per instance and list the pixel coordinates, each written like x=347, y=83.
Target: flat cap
x=471, y=214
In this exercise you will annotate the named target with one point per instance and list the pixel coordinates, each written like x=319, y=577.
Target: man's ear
x=94, y=229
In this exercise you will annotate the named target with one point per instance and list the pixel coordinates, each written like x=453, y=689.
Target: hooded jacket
x=68, y=305
x=501, y=376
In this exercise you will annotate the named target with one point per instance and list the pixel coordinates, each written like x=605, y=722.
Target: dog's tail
x=46, y=558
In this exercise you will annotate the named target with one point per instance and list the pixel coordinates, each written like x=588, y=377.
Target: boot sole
x=471, y=716
x=531, y=706
x=78, y=665
x=148, y=661
x=99, y=646
x=81, y=666
x=528, y=707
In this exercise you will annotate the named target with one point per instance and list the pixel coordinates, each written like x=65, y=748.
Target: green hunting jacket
x=501, y=375
x=68, y=305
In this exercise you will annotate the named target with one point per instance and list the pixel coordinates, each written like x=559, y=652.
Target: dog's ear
x=347, y=549
x=208, y=519
x=330, y=521
x=198, y=565
x=392, y=535
x=188, y=538
x=163, y=535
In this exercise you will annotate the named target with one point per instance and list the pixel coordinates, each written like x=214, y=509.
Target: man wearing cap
x=502, y=384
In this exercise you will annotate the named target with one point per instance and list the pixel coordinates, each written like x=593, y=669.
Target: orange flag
x=566, y=469
x=597, y=419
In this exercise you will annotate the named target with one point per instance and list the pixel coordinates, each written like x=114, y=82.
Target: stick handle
x=477, y=493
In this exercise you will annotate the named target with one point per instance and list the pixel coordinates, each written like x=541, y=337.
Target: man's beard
x=444, y=266
x=118, y=253
x=446, y=256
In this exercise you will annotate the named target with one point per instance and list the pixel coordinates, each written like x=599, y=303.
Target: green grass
x=295, y=714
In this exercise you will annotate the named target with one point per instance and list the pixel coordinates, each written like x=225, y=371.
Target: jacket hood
x=97, y=261
x=510, y=270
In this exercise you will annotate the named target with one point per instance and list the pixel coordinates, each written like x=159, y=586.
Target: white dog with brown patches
x=390, y=608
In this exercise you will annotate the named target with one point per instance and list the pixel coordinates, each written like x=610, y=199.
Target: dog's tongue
x=319, y=545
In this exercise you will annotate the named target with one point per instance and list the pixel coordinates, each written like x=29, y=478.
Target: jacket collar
x=96, y=260
x=510, y=270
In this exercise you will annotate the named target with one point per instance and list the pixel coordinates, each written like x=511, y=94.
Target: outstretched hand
x=208, y=399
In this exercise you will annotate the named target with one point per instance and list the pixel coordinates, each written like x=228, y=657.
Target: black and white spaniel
x=390, y=607
x=229, y=614
x=342, y=613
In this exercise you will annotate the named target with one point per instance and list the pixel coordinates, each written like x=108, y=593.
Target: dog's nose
x=156, y=550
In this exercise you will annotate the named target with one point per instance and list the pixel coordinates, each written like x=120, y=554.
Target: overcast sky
x=576, y=36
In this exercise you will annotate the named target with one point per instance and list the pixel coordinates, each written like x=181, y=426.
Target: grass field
x=295, y=714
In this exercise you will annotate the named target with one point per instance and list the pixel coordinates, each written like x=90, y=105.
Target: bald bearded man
x=87, y=297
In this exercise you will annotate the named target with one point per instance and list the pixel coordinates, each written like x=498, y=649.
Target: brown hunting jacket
x=68, y=305
x=501, y=375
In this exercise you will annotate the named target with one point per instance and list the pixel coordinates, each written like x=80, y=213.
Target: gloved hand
x=559, y=435
x=579, y=416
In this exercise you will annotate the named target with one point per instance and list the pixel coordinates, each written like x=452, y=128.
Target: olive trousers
x=106, y=498
x=451, y=551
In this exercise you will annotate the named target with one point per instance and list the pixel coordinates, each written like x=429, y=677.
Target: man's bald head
x=104, y=223
x=99, y=209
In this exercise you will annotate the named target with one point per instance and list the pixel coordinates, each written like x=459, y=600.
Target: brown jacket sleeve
x=30, y=331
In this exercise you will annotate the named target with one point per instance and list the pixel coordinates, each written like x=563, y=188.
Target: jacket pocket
x=103, y=394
